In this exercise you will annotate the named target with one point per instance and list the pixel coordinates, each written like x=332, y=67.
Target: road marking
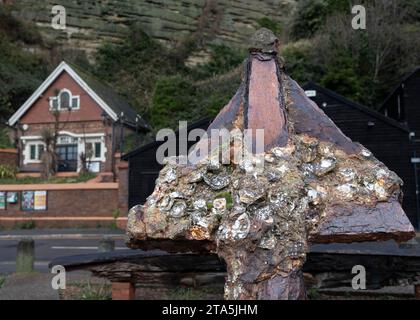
x=82, y=248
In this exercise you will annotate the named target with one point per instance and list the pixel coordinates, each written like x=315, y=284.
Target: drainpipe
x=113, y=152
x=122, y=132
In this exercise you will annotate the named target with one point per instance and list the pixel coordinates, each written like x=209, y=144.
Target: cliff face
x=91, y=22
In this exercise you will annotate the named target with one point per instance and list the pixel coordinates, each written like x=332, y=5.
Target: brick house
x=91, y=119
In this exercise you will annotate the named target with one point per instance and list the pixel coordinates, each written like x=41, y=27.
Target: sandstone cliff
x=91, y=22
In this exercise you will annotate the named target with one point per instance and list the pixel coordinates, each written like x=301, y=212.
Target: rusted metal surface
x=264, y=108
x=316, y=185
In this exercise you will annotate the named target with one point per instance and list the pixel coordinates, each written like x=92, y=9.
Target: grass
x=89, y=291
x=313, y=294
x=202, y=293
x=2, y=281
x=38, y=180
x=183, y=294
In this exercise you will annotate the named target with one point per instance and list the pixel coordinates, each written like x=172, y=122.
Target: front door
x=67, y=157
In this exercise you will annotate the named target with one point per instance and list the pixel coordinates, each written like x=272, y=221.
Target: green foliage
x=342, y=76
x=157, y=83
x=173, y=100
x=115, y=214
x=17, y=30
x=7, y=172
x=82, y=177
x=21, y=72
x=5, y=142
x=274, y=26
x=27, y=225
x=222, y=60
x=134, y=66
x=184, y=294
x=228, y=197
x=2, y=281
x=299, y=61
x=312, y=14
x=313, y=294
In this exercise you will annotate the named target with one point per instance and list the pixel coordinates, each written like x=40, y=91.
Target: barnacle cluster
x=261, y=211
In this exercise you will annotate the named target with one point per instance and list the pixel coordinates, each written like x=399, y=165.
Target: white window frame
x=27, y=151
x=100, y=140
x=58, y=99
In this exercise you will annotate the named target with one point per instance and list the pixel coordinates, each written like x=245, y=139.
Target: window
x=40, y=151
x=98, y=149
x=35, y=151
x=93, y=150
x=64, y=101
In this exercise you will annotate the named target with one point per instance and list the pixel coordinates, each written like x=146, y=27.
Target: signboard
x=12, y=197
x=40, y=200
x=27, y=200
x=94, y=167
x=310, y=93
x=2, y=200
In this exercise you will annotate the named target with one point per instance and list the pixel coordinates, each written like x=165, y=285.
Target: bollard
x=107, y=244
x=25, y=255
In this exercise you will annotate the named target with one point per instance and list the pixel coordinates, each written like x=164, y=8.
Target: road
x=48, y=249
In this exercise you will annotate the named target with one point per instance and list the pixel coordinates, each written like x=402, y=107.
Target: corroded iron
x=316, y=185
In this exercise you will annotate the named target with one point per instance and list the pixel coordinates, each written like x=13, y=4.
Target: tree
x=365, y=64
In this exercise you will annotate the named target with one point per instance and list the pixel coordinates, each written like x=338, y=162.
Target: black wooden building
x=403, y=103
x=388, y=139
x=144, y=168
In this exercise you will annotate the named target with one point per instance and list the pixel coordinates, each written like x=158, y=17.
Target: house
x=388, y=139
x=144, y=169
x=86, y=116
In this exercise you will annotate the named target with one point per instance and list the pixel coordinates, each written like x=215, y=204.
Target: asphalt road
x=47, y=250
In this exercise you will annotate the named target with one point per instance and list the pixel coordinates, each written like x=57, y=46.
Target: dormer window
x=64, y=100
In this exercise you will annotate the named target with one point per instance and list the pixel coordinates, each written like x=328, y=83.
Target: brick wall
x=122, y=174
x=9, y=157
x=69, y=205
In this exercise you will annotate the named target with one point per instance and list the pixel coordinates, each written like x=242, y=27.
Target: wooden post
x=417, y=291
x=106, y=244
x=123, y=291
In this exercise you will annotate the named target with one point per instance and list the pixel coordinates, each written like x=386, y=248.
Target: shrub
x=222, y=60
x=27, y=225
x=173, y=100
x=7, y=172
x=95, y=292
x=272, y=25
